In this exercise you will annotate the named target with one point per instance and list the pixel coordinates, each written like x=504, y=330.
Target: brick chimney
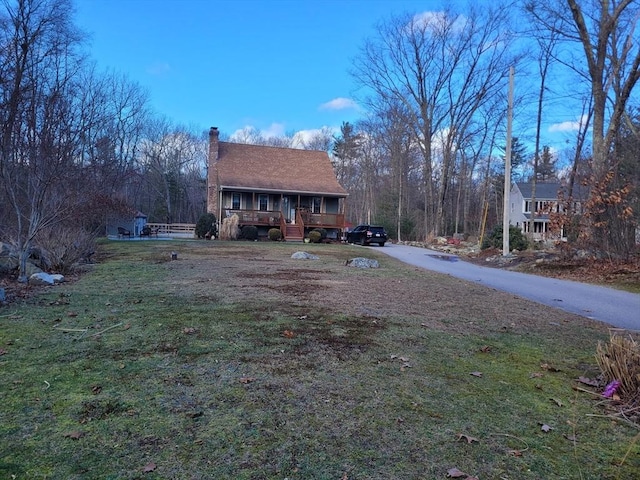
x=212, y=173
x=213, y=144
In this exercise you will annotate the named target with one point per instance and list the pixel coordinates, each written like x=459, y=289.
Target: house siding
x=547, y=196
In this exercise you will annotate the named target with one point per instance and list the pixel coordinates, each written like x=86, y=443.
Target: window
x=315, y=204
x=540, y=227
x=263, y=202
x=235, y=201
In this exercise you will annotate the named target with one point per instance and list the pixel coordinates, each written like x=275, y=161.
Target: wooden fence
x=174, y=230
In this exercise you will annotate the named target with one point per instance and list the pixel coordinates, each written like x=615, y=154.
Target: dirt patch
x=268, y=278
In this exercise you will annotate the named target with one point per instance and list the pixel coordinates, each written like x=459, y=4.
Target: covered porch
x=294, y=214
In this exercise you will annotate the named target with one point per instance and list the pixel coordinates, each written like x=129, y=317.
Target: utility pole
x=507, y=170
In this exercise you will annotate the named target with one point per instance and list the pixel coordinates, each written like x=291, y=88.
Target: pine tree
x=546, y=166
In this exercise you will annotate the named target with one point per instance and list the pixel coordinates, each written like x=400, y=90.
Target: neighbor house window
x=235, y=201
x=315, y=204
x=263, y=203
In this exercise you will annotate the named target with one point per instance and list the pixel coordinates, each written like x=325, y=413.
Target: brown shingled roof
x=257, y=167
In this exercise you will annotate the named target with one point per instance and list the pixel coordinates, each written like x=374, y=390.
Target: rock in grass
x=43, y=278
x=361, y=262
x=304, y=256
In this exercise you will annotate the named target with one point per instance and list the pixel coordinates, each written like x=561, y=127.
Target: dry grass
x=229, y=229
x=619, y=360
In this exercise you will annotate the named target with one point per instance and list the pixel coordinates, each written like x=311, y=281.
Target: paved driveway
x=615, y=307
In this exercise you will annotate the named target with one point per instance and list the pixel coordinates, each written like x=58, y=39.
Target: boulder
x=8, y=258
x=361, y=262
x=304, y=256
x=43, y=278
x=8, y=264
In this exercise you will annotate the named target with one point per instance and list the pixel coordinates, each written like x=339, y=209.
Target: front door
x=289, y=204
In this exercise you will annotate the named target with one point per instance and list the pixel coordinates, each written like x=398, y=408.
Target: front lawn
x=237, y=362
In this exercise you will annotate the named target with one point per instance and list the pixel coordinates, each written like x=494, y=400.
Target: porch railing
x=257, y=217
x=322, y=220
x=275, y=218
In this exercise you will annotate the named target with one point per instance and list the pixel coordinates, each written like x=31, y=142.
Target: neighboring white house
x=547, y=203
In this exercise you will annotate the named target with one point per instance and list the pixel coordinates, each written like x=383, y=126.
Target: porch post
x=220, y=197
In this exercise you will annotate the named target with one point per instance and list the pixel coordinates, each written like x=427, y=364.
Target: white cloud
x=303, y=137
x=274, y=130
x=251, y=134
x=437, y=21
x=568, y=126
x=339, y=103
x=158, y=68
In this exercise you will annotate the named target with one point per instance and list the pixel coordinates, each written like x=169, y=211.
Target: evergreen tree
x=346, y=150
x=546, y=166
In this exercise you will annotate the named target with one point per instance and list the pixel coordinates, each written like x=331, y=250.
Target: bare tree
x=442, y=67
x=390, y=131
x=607, y=33
x=321, y=139
x=546, y=41
x=38, y=137
x=166, y=154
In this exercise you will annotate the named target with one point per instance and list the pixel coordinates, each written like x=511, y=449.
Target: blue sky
x=277, y=65
x=280, y=66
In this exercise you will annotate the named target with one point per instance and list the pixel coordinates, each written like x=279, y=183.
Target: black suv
x=366, y=234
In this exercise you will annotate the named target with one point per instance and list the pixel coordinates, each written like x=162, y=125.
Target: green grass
x=132, y=365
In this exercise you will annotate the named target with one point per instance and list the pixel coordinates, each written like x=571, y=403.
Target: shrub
x=517, y=241
x=249, y=232
x=322, y=231
x=206, y=226
x=274, y=234
x=62, y=248
x=315, y=236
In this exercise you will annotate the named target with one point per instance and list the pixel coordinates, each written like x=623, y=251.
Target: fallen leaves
x=589, y=381
x=557, y=401
x=469, y=439
x=455, y=473
x=549, y=368
x=247, y=380
x=149, y=467
x=75, y=435
x=288, y=334
x=476, y=374
x=404, y=360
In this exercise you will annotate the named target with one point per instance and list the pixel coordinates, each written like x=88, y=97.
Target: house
x=290, y=189
x=547, y=202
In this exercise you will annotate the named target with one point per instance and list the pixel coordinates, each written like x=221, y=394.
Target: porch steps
x=292, y=234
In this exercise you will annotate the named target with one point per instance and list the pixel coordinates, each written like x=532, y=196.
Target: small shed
x=133, y=223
